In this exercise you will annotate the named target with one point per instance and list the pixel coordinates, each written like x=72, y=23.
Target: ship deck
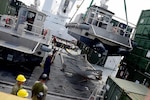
x=62, y=86
x=26, y=41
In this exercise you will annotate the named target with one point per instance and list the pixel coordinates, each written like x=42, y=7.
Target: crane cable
x=125, y=7
x=87, y=9
x=77, y=10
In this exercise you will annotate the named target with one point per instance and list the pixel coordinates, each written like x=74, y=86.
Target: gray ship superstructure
x=24, y=40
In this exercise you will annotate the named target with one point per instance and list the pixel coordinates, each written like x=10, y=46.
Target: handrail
x=96, y=92
x=110, y=39
x=34, y=33
x=35, y=47
x=124, y=21
x=42, y=36
x=97, y=13
x=36, y=27
x=116, y=29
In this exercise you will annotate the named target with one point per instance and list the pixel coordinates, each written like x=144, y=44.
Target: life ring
x=7, y=20
x=115, y=29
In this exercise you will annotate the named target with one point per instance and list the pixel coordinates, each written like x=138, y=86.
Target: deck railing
x=101, y=18
x=36, y=32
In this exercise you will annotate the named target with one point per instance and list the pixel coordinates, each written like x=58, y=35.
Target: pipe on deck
x=77, y=25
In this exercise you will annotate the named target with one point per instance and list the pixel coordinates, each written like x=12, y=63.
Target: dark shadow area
x=9, y=71
x=82, y=85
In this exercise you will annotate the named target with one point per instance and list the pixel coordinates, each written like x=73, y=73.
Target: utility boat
x=24, y=39
x=98, y=30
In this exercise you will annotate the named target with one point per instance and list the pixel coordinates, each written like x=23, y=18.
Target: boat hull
x=19, y=58
x=99, y=45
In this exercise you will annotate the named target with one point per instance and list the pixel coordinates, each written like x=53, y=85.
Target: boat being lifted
x=24, y=40
x=98, y=30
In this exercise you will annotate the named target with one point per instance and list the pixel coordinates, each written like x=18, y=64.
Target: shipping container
x=5, y=8
x=145, y=13
x=140, y=51
x=119, y=89
x=138, y=60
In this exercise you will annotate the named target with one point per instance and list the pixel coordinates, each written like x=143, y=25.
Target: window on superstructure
x=24, y=13
x=40, y=17
x=30, y=19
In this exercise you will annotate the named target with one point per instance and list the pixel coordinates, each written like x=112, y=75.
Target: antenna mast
x=36, y=3
x=103, y=3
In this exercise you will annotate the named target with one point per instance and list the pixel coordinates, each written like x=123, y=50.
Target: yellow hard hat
x=21, y=78
x=22, y=93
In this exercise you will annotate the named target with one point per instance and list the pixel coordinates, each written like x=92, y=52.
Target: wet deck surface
x=61, y=83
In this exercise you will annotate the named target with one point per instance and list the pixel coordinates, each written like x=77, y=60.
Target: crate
x=145, y=13
x=139, y=29
x=146, y=30
x=148, y=22
x=140, y=51
x=146, y=44
x=140, y=21
x=132, y=58
x=143, y=63
x=141, y=37
x=143, y=21
x=143, y=30
x=120, y=89
x=143, y=42
x=140, y=63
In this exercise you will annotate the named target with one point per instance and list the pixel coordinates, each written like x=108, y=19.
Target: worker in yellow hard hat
x=22, y=93
x=20, y=80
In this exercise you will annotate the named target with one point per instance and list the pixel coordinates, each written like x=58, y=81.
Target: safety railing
x=37, y=32
x=98, y=93
x=101, y=18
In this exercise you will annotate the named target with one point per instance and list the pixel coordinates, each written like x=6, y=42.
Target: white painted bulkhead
x=57, y=19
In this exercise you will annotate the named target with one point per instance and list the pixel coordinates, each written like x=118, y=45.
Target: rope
x=76, y=10
x=88, y=8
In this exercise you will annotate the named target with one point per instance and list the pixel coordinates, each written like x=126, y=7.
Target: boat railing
x=36, y=32
x=120, y=31
x=104, y=19
x=35, y=47
x=98, y=93
x=119, y=26
x=109, y=26
x=98, y=17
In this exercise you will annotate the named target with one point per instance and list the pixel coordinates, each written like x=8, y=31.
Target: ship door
x=66, y=4
x=22, y=15
x=30, y=20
